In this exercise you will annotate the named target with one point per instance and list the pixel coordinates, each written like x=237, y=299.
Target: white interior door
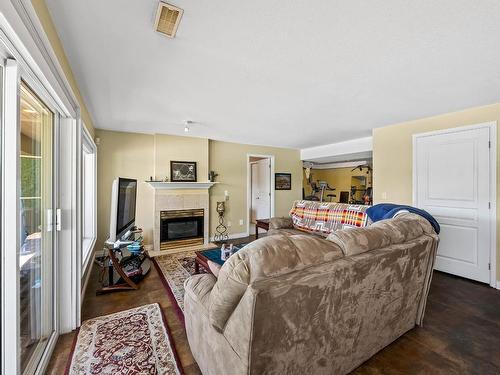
x=452, y=182
x=261, y=190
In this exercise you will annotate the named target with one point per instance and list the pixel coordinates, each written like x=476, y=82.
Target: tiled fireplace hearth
x=181, y=216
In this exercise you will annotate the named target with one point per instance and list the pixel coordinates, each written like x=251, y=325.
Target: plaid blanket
x=326, y=217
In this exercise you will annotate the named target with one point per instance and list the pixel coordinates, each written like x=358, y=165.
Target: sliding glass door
x=36, y=218
x=27, y=236
x=40, y=172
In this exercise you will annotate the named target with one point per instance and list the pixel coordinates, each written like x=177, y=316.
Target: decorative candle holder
x=221, y=229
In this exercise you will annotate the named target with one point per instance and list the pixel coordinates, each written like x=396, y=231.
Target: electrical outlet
x=228, y=223
x=384, y=195
x=241, y=221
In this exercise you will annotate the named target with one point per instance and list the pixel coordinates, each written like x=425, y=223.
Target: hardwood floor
x=461, y=332
x=151, y=290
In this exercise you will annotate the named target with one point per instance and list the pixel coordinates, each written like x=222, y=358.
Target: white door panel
x=261, y=190
x=452, y=172
x=458, y=244
x=458, y=215
x=444, y=174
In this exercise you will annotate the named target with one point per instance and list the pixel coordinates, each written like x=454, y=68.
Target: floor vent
x=167, y=19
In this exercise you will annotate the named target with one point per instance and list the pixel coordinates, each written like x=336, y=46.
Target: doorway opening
x=341, y=182
x=260, y=189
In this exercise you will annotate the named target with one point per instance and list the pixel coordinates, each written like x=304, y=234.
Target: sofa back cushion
x=266, y=257
x=326, y=217
x=403, y=228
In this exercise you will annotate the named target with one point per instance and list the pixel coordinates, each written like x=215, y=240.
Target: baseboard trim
x=234, y=236
x=498, y=284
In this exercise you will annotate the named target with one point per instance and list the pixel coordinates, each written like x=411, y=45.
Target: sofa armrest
x=280, y=223
x=198, y=288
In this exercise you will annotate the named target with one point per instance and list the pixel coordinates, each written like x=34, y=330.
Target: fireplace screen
x=181, y=228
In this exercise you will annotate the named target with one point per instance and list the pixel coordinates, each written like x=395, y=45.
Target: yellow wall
x=137, y=156
x=50, y=30
x=171, y=147
x=338, y=178
x=392, y=154
x=229, y=161
x=124, y=155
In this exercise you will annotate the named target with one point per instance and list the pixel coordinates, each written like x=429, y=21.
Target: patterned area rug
x=135, y=341
x=174, y=270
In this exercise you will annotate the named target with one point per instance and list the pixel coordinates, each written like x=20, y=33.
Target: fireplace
x=180, y=228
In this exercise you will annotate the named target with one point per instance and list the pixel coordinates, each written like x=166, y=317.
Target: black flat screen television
x=125, y=213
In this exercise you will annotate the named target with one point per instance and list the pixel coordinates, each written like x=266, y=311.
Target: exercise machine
x=366, y=196
x=320, y=188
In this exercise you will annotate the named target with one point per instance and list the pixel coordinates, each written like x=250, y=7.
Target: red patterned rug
x=135, y=341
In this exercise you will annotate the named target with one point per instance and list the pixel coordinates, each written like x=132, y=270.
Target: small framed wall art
x=183, y=171
x=283, y=181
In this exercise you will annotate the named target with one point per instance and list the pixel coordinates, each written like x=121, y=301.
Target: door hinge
x=489, y=266
x=489, y=205
x=489, y=144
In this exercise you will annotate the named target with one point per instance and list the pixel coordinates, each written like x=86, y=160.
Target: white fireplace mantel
x=181, y=185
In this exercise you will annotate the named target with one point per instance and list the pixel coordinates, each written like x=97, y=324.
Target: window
x=89, y=196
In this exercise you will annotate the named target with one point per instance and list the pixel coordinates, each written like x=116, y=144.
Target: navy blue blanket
x=383, y=211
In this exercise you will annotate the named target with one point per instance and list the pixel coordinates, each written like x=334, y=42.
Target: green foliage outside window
x=30, y=177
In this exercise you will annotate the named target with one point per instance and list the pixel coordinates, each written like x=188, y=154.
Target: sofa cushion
x=214, y=267
x=266, y=257
x=199, y=288
x=286, y=232
x=325, y=217
x=280, y=223
x=405, y=227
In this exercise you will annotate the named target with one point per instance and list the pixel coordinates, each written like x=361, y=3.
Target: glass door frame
x=13, y=71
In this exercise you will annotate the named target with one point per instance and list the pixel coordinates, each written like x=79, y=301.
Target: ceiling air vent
x=167, y=19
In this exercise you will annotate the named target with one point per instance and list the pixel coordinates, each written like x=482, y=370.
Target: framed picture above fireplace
x=183, y=171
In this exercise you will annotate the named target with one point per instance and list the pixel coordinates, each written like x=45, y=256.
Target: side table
x=262, y=224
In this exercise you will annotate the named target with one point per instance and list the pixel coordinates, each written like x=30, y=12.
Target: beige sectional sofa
x=301, y=303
